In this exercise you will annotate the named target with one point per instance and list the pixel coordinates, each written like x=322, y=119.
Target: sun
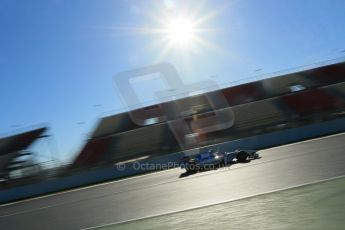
x=181, y=31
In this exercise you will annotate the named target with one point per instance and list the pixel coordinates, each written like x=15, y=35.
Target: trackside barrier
x=286, y=136
x=129, y=169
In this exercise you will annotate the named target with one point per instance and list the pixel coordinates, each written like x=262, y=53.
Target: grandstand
x=14, y=150
x=280, y=102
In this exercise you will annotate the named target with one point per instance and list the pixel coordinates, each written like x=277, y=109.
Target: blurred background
x=60, y=109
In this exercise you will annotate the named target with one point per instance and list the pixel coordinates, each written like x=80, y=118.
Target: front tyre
x=242, y=156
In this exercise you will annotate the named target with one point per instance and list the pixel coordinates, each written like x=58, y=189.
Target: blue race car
x=210, y=159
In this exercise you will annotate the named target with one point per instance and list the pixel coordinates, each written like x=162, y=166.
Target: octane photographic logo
x=180, y=115
x=140, y=166
x=120, y=166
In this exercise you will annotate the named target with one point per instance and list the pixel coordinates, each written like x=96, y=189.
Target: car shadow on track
x=216, y=167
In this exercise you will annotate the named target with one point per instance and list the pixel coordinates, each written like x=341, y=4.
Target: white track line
x=217, y=203
x=82, y=188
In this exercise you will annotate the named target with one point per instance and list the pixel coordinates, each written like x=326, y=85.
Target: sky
x=58, y=58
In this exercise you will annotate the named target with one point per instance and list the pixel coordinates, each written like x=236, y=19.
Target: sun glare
x=181, y=31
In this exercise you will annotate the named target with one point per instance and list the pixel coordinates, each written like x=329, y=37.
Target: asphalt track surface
x=166, y=192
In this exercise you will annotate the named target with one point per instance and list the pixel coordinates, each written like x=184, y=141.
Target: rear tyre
x=242, y=156
x=191, y=167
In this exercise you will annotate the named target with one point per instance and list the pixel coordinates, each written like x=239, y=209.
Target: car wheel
x=242, y=156
x=191, y=168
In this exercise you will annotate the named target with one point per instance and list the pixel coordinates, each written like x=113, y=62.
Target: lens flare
x=181, y=31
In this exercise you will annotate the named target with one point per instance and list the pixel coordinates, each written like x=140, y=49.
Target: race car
x=211, y=158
